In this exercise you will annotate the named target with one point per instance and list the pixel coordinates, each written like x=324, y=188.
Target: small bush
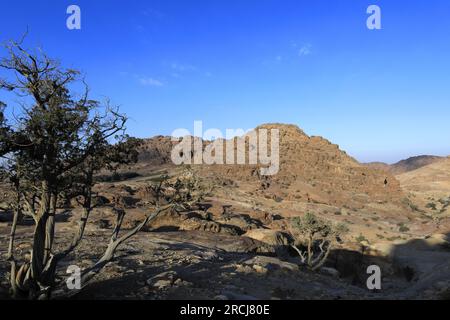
x=403, y=228
x=318, y=237
x=361, y=238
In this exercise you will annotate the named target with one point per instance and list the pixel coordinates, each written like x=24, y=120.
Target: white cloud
x=305, y=50
x=183, y=67
x=150, y=82
x=180, y=70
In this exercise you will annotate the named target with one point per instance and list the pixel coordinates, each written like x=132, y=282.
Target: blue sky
x=382, y=95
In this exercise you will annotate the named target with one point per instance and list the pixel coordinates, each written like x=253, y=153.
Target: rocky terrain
x=406, y=165
x=429, y=186
x=235, y=245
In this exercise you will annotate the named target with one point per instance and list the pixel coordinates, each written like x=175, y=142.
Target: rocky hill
x=431, y=179
x=406, y=165
x=156, y=151
x=414, y=163
x=235, y=243
x=312, y=169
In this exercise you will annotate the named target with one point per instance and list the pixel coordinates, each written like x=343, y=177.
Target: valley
x=235, y=244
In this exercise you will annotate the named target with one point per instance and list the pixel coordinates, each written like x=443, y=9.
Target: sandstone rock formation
x=312, y=169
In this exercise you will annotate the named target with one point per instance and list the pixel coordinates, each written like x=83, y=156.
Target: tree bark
x=10, y=255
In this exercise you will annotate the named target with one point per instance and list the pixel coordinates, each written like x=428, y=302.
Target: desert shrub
x=316, y=237
x=403, y=227
x=183, y=188
x=361, y=238
x=411, y=205
x=278, y=199
x=445, y=204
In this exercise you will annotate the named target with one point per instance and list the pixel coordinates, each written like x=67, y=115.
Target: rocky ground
x=235, y=245
x=239, y=254
x=197, y=265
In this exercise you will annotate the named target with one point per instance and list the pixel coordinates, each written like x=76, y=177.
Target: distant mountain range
x=407, y=165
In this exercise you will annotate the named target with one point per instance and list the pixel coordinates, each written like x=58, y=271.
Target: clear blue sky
x=381, y=95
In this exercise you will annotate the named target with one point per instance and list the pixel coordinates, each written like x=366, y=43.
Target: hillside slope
x=312, y=169
x=414, y=163
x=430, y=185
x=406, y=165
x=433, y=177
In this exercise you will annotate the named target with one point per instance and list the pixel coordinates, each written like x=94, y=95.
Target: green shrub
x=361, y=238
x=403, y=228
x=318, y=236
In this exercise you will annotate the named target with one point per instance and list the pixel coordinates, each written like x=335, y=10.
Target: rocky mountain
x=435, y=176
x=414, y=163
x=379, y=165
x=430, y=187
x=312, y=169
x=235, y=244
x=156, y=151
x=406, y=165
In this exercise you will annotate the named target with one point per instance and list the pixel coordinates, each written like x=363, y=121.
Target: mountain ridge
x=312, y=169
x=406, y=165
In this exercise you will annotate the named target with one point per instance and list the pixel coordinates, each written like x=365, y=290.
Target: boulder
x=242, y=222
x=163, y=280
x=197, y=224
x=263, y=264
x=268, y=236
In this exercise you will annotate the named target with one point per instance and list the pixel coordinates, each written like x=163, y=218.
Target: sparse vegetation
x=184, y=188
x=412, y=206
x=361, y=239
x=403, y=228
x=53, y=151
x=316, y=238
x=445, y=202
x=74, y=188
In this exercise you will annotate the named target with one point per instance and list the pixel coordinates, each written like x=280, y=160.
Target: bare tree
x=52, y=150
x=314, y=239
